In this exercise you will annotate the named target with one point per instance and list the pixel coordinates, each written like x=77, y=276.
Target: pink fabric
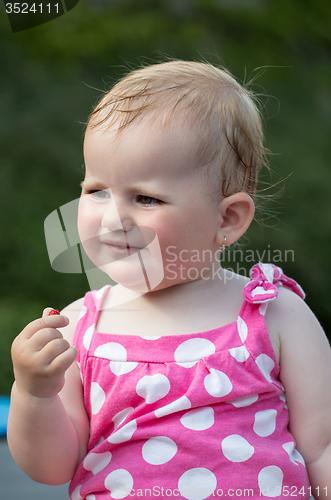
x=188, y=416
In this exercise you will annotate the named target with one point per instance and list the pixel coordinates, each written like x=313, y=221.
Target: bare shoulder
x=289, y=316
x=292, y=327
x=302, y=338
x=72, y=311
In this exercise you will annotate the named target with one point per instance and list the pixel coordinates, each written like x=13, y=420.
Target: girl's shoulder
x=296, y=333
x=288, y=314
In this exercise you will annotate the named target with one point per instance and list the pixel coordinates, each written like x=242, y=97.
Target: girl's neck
x=221, y=283
x=192, y=307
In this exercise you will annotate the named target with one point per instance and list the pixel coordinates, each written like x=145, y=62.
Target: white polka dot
x=119, y=483
x=245, y=401
x=265, y=422
x=98, y=397
x=270, y=480
x=190, y=351
x=236, y=448
x=122, y=367
x=239, y=353
x=263, y=308
x=82, y=313
x=121, y=416
x=150, y=337
x=198, y=419
x=282, y=397
x=88, y=336
x=112, y=351
x=80, y=372
x=217, y=383
x=117, y=355
x=197, y=484
x=100, y=440
x=98, y=294
x=266, y=365
x=242, y=328
x=293, y=453
x=96, y=462
x=153, y=387
x=259, y=290
x=159, y=450
x=268, y=271
x=124, y=433
x=76, y=494
x=180, y=404
x=90, y=497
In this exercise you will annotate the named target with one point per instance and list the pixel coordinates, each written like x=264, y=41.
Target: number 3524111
x=293, y=491
x=35, y=8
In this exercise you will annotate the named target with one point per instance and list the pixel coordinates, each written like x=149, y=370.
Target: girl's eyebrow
x=88, y=184
x=147, y=189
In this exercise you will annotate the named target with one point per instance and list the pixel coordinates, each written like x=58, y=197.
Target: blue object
x=4, y=411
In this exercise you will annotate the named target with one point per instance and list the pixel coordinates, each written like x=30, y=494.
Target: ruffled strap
x=98, y=297
x=265, y=280
x=88, y=318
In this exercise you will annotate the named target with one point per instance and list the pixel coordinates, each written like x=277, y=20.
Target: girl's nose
x=114, y=219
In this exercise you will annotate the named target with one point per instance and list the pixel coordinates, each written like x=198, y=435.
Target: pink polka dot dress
x=192, y=416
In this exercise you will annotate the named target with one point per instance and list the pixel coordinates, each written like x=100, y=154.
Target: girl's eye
x=147, y=200
x=99, y=195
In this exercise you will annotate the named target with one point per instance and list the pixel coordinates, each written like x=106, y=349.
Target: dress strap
x=264, y=283
x=98, y=298
x=87, y=320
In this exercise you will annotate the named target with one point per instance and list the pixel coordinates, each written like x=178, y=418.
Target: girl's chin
x=139, y=273
x=134, y=279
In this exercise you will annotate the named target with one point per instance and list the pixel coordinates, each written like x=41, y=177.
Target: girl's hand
x=41, y=356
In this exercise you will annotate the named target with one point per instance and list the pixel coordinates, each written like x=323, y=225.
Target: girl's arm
x=47, y=426
x=305, y=364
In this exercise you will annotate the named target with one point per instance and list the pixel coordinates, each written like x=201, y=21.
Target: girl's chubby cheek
x=88, y=223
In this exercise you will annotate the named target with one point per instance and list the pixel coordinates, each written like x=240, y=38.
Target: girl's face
x=145, y=215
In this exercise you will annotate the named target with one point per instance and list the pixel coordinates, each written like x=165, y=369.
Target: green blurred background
x=50, y=76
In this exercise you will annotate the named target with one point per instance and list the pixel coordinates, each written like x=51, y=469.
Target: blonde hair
x=223, y=114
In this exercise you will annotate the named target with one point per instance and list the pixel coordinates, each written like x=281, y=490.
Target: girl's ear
x=237, y=212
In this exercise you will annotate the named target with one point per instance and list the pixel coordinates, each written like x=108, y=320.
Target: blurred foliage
x=50, y=76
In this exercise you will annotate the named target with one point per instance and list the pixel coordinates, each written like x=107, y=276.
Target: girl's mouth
x=119, y=248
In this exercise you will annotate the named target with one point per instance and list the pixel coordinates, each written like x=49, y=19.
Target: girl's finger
x=62, y=362
x=54, y=321
x=52, y=350
x=42, y=337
